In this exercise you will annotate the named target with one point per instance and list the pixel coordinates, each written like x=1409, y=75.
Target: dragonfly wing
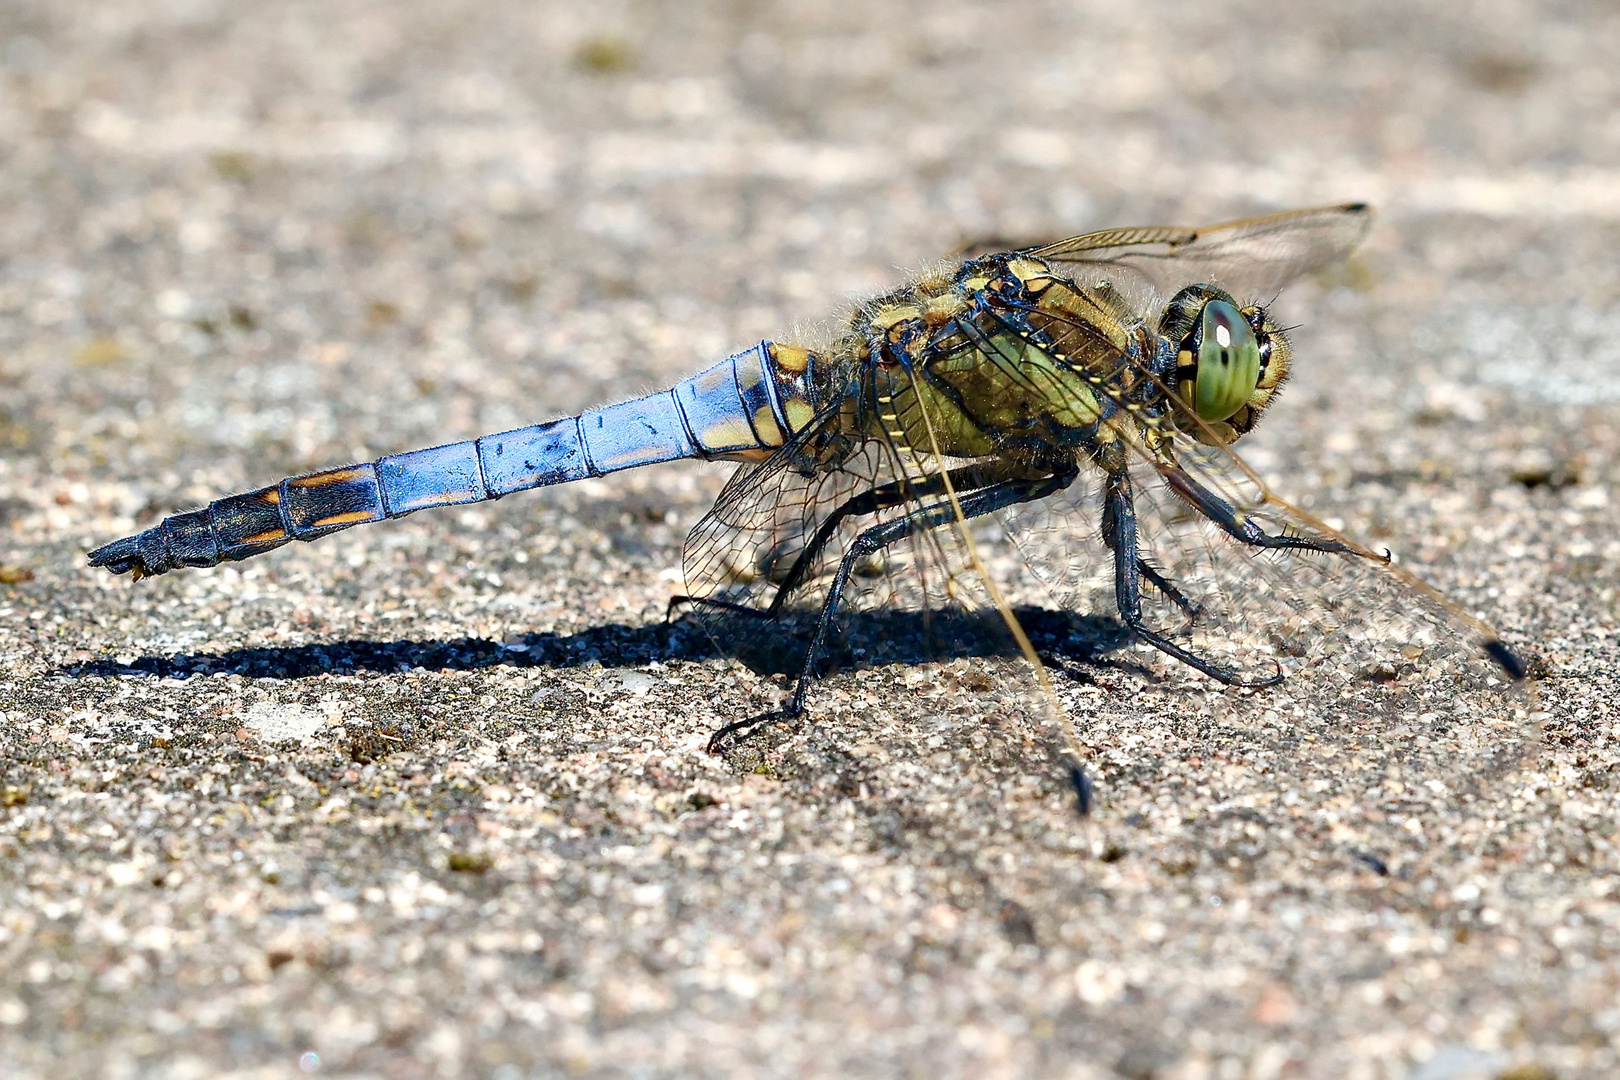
x=762, y=522
x=1248, y=611
x=1240, y=573
x=761, y=562
x=1376, y=616
x=1377, y=655
x=1252, y=258
x=1347, y=614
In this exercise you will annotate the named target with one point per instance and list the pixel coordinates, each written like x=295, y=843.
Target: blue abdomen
x=743, y=404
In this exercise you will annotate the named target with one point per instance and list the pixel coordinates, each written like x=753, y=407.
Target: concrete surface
x=430, y=799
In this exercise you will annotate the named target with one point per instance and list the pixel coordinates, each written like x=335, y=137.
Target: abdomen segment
x=744, y=403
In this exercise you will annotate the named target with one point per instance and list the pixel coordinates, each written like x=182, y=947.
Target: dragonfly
x=1077, y=403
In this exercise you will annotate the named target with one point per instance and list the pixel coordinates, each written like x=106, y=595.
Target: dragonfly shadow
x=611, y=645
x=874, y=638
x=870, y=639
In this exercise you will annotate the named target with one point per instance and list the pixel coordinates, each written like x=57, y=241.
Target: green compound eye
x=1228, y=362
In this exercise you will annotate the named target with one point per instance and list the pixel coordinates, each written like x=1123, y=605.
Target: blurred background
x=245, y=240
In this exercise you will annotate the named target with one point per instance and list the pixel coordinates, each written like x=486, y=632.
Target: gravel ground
x=431, y=798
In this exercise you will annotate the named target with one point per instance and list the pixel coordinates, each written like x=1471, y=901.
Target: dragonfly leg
x=1119, y=521
x=1168, y=590
x=974, y=504
x=883, y=497
x=1146, y=571
x=1241, y=528
x=715, y=605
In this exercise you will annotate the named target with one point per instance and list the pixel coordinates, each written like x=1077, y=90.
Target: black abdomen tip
x=118, y=556
x=142, y=555
x=1506, y=658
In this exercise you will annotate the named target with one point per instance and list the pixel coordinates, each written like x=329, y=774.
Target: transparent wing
x=1234, y=572
x=1251, y=259
x=761, y=561
x=1346, y=616
x=1374, y=654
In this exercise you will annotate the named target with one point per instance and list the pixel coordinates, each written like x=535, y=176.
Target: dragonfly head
x=1230, y=361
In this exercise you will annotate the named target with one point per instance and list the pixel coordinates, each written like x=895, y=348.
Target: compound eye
x=1228, y=358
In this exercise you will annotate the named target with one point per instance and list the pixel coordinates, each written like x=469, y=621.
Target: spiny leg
x=1223, y=514
x=1119, y=521
x=1148, y=572
x=1168, y=590
x=975, y=504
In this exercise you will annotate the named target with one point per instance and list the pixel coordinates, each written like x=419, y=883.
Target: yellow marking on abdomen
x=336, y=476
x=789, y=358
x=348, y=518
x=265, y=537
x=799, y=413
x=730, y=432
x=770, y=432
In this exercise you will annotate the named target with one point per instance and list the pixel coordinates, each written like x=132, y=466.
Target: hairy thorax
x=996, y=357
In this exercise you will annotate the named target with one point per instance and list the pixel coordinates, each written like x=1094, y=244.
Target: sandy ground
x=431, y=799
